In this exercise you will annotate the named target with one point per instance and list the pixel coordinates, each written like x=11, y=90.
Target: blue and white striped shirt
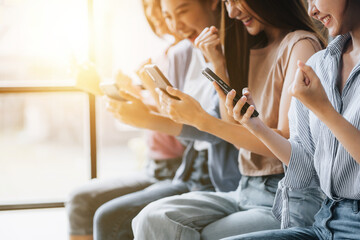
x=316, y=154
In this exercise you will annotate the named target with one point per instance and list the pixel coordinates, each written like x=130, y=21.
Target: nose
x=312, y=9
x=232, y=9
x=177, y=25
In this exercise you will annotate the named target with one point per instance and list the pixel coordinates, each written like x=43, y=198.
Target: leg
x=113, y=219
x=253, y=220
x=85, y=200
x=182, y=217
x=295, y=233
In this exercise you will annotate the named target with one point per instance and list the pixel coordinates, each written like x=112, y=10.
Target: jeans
x=211, y=215
x=335, y=220
x=85, y=200
x=113, y=219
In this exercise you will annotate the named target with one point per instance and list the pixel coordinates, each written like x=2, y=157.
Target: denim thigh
x=296, y=233
x=113, y=219
x=85, y=200
x=338, y=220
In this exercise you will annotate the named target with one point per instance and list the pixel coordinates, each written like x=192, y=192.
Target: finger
x=163, y=97
x=229, y=102
x=239, y=105
x=248, y=95
x=213, y=29
x=212, y=44
x=176, y=93
x=210, y=39
x=128, y=96
x=309, y=73
x=200, y=37
x=248, y=114
x=297, y=83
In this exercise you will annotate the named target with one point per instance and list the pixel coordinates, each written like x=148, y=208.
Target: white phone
x=158, y=77
x=111, y=89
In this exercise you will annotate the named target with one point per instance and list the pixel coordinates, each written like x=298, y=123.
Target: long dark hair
x=290, y=15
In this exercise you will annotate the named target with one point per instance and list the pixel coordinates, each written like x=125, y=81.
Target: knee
x=80, y=212
x=149, y=217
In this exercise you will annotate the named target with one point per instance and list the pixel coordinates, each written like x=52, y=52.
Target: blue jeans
x=211, y=215
x=335, y=220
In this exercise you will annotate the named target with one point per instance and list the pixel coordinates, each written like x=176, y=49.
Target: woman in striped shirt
x=324, y=128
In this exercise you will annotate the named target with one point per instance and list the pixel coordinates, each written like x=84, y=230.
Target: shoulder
x=299, y=41
x=181, y=49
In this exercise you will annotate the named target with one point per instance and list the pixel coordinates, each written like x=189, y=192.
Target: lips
x=246, y=21
x=326, y=20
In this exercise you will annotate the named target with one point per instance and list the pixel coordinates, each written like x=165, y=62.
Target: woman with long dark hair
x=263, y=41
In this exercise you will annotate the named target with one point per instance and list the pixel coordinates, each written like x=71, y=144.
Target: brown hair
x=290, y=15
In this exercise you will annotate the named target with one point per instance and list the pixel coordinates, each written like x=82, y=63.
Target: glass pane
x=123, y=42
x=41, y=39
x=44, y=145
x=121, y=149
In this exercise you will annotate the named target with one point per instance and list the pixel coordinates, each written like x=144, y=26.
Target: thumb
x=175, y=92
x=308, y=72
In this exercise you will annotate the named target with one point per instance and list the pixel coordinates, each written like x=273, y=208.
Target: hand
x=235, y=111
x=210, y=45
x=132, y=112
x=124, y=82
x=186, y=110
x=87, y=78
x=308, y=89
x=222, y=101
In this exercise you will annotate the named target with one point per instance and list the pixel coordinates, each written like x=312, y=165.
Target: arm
x=309, y=90
x=135, y=113
x=188, y=111
x=210, y=45
x=274, y=139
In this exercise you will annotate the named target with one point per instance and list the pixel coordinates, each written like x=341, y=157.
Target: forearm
x=275, y=142
x=345, y=132
x=163, y=124
x=235, y=134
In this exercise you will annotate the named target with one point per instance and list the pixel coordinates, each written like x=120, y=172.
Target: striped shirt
x=316, y=155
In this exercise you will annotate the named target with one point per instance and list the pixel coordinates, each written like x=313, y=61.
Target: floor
x=41, y=224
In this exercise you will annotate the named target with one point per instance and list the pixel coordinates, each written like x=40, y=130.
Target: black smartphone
x=158, y=77
x=226, y=89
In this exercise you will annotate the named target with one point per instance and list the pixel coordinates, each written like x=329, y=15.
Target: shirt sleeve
x=301, y=166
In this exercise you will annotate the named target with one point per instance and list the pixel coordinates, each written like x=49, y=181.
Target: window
x=46, y=124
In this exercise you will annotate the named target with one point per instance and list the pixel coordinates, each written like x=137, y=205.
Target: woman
x=199, y=171
x=324, y=125
x=164, y=153
x=281, y=33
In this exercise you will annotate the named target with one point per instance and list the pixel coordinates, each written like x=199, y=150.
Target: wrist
x=201, y=121
x=219, y=64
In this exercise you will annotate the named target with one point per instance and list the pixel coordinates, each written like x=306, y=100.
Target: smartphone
x=111, y=89
x=226, y=89
x=158, y=77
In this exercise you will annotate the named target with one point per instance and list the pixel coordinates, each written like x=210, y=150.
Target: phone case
x=110, y=89
x=158, y=77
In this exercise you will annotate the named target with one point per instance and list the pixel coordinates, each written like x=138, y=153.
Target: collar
x=335, y=48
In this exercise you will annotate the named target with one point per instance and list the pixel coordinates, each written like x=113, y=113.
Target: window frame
x=20, y=87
